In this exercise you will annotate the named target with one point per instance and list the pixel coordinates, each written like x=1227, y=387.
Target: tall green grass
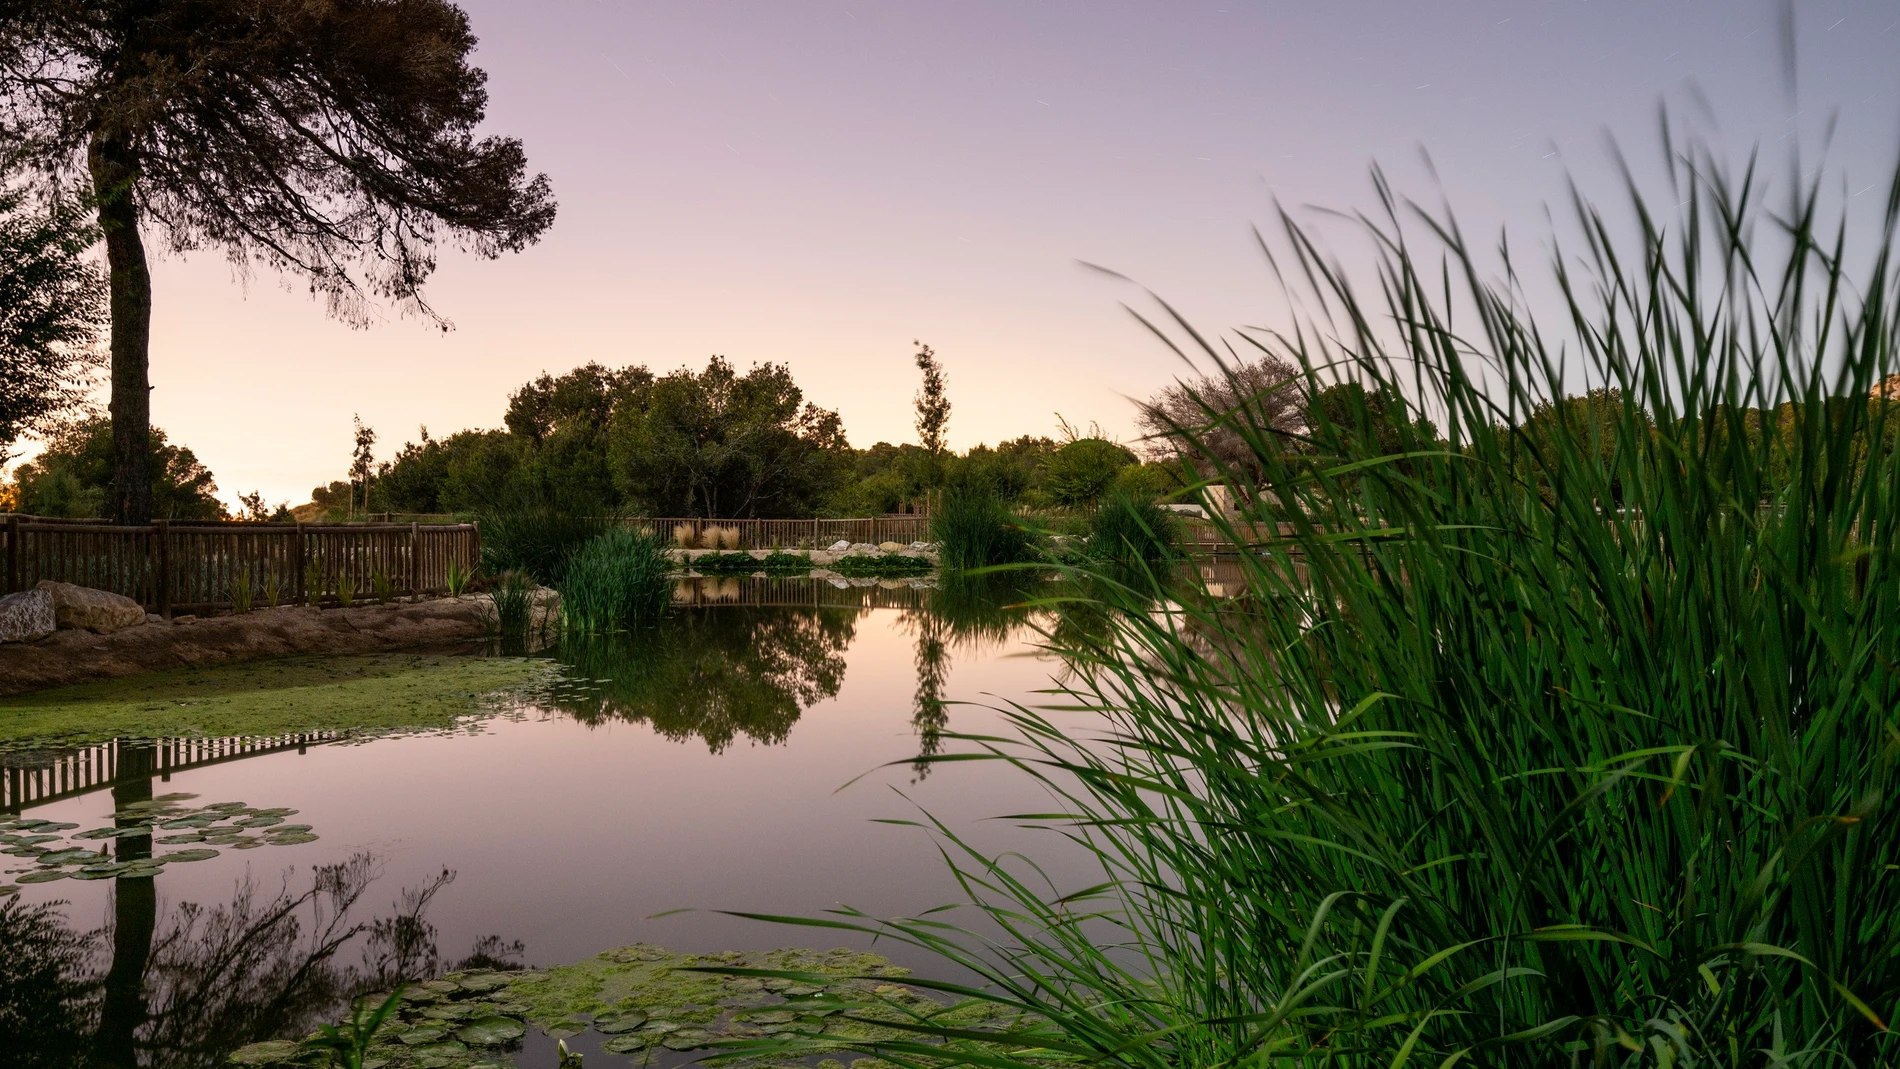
x=1129, y=530
x=618, y=580
x=973, y=528
x=1572, y=740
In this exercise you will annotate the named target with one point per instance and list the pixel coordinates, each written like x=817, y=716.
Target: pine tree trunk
x=113, y=172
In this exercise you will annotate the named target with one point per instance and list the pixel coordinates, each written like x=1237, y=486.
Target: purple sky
x=820, y=182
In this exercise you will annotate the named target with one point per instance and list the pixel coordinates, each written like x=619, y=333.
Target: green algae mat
x=646, y=1001
x=372, y=693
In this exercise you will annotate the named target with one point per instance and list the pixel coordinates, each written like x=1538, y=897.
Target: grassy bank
x=373, y=693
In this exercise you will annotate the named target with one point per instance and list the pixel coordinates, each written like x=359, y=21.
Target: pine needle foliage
x=1567, y=738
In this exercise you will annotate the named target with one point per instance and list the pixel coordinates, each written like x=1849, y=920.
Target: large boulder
x=99, y=611
x=891, y=547
x=26, y=616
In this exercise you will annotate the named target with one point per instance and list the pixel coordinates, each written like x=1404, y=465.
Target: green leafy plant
x=717, y=563
x=1569, y=738
x=312, y=584
x=1127, y=530
x=882, y=566
x=241, y=594
x=538, y=540
x=618, y=580
x=779, y=562
x=345, y=589
x=273, y=590
x=511, y=603
x=346, y=1046
x=458, y=578
x=973, y=529
x=382, y=586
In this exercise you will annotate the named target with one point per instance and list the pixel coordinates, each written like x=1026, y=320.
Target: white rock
x=99, y=611
x=26, y=616
x=863, y=547
x=839, y=546
x=891, y=547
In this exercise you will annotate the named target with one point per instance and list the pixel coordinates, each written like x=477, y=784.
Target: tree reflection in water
x=965, y=612
x=714, y=674
x=265, y=965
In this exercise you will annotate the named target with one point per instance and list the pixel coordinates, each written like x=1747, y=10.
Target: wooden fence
x=199, y=567
x=799, y=534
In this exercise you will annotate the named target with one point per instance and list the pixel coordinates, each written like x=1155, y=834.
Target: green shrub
x=511, y=607
x=973, y=529
x=733, y=563
x=1078, y=474
x=882, y=566
x=1574, y=747
x=1131, y=530
x=536, y=539
x=618, y=580
x=778, y=562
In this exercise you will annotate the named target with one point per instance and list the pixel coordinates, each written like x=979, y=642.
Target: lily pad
x=35, y=839
x=448, y=1048
x=56, y=827
x=289, y=829
x=617, y=1024
x=259, y=822
x=269, y=1052
x=423, y=1034
x=42, y=876
x=63, y=857
x=7, y=890
x=687, y=1039
x=491, y=1032
x=293, y=839
x=185, y=837
x=625, y=1044
x=441, y=987
x=98, y=833
x=99, y=874
x=481, y=982
x=201, y=854
x=226, y=807
x=247, y=844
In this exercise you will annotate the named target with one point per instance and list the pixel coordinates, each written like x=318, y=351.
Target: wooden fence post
x=13, y=553
x=162, y=534
x=299, y=595
x=415, y=560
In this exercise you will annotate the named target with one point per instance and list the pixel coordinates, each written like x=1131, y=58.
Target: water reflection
x=714, y=674
x=264, y=965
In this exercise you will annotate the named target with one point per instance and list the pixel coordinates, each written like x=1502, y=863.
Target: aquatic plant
x=882, y=566
x=312, y=584
x=779, y=562
x=383, y=586
x=973, y=529
x=273, y=590
x=1571, y=741
x=348, y=1046
x=1132, y=531
x=511, y=606
x=619, y=580
x=345, y=589
x=537, y=539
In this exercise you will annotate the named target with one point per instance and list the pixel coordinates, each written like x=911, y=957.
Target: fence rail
x=199, y=567
x=797, y=534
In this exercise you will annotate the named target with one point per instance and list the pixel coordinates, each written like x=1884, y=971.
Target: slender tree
x=334, y=140
x=933, y=405
x=362, y=462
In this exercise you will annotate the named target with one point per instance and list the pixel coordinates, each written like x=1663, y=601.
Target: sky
x=820, y=182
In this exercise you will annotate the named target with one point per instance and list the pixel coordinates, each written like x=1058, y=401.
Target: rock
x=891, y=547
x=27, y=615
x=154, y=618
x=819, y=557
x=99, y=611
x=839, y=546
x=920, y=546
x=186, y=618
x=863, y=547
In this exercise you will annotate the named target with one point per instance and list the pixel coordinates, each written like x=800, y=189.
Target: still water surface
x=700, y=769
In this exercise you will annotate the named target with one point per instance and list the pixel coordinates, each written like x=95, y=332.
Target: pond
x=738, y=758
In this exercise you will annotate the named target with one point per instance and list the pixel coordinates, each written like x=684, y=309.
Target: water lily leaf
x=663, y=1027
x=449, y=1011
x=184, y=837
x=42, y=876
x=259, y=822
x=687, y=1039
x=277, y=812
x=202, y=854
x=140, y=871
x=289, y=829
x=625, y=1044
x=61, y=857
x=98, y=874
x=442, y=987
x=56, y=827
x=104, y=833
x=616, y=1024
x=24, y=851
x=7, y=890
x=188, y=822
x=247, y=844
x=491, y=1032
x=226, y=807
x=269, y=1052
x=447, y=1048
x=30, y=840
x=423, y=1033
x=480, y=982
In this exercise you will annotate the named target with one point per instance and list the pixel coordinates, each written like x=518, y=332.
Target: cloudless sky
x=818, y=182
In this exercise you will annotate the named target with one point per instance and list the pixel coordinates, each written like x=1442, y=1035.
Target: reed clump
x=973, y=528
x=616, y=581
x=1571, y=737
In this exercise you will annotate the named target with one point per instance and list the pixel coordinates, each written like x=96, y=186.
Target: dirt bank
x=67, y=657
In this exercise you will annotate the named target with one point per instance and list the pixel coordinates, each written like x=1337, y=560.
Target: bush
x=727, y=564
x=616, y=581
x=1131, y=530
x=536, y=539
x=973, y=529
x=1078, y=474
x=884, y=566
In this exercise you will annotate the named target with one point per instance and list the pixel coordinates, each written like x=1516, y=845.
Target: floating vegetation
x=644, y=999
x=220, y=824
x=883, y=566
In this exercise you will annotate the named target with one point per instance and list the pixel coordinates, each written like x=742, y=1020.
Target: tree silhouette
x=333, y=141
